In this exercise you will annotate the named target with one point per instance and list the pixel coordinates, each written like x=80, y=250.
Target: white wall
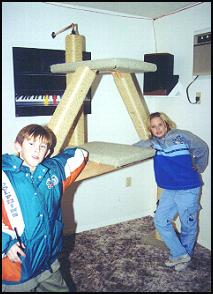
x=106, y=200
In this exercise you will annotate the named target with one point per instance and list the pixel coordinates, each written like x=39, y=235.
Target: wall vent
x=202, y=54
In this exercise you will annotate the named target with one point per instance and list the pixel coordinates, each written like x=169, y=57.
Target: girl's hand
x=15, y=251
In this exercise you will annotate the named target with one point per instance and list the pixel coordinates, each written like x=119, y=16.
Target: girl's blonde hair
x=169, y=123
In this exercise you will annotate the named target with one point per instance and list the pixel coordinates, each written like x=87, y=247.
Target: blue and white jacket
x=179, y=159
x=32, y=204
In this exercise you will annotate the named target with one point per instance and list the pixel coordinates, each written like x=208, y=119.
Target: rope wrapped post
x=71, y=104
x=135, y=104
x=75, y=45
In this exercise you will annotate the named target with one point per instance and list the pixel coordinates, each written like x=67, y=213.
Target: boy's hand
x=15, y=251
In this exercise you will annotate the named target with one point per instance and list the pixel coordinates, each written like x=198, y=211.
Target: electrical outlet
x=198, y=97
x=128, y=181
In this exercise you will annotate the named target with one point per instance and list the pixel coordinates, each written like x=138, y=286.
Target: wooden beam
x=94, y=169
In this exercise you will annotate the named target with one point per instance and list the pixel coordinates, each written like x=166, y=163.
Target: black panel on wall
x=162, y=81
x=37, y=90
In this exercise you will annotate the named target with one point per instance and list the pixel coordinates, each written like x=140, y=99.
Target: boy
x=32, y=186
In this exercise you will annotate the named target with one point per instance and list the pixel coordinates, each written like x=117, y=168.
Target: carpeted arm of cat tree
x=106, y=157
x=107, y=65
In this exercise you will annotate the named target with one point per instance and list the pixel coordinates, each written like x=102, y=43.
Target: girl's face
x=32, y=151
x=158, y=127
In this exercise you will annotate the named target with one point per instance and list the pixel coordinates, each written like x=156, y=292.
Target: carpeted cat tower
x=70, y=130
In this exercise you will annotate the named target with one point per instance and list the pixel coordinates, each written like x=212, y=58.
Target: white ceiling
x=142, y=9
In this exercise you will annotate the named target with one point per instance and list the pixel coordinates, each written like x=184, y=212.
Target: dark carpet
x=127, y=257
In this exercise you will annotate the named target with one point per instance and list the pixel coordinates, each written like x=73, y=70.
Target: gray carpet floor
x=127, y=257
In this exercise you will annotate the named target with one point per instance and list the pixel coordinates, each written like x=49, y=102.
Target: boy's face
x=32, y=151
x=158, y=127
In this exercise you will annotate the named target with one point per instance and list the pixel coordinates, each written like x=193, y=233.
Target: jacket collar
x=15, y=163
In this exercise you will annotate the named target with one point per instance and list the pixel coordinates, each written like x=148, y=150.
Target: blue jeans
x=185, y=203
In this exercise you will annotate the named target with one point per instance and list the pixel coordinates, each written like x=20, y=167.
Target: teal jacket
x=32, y=203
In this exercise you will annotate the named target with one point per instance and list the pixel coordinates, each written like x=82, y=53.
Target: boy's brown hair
x=35, y=130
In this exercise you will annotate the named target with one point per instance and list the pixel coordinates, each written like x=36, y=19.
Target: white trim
x=95, y=10
x=12, y=206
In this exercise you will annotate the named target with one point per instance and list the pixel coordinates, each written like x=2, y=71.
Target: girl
x=180, y=158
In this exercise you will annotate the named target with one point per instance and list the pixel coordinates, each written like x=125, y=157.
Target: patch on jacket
x=51, y=182
x=178, y=140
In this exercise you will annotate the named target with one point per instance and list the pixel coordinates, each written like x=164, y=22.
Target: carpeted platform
x=126, y=257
